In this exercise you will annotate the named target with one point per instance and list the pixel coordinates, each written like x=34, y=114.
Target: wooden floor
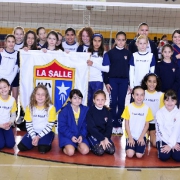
x=150, y=159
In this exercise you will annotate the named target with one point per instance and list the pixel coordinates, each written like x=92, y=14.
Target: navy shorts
x=151, y=127
x=15, y=82
x=45, y=140
x=137, y=148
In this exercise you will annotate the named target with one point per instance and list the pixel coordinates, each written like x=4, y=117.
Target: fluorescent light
x=96, y=3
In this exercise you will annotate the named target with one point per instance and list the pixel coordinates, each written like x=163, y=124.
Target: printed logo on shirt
x=6, y=107
x=173, y=69
x=138, y=114
x=7, y=57
x=125, y=57
x=39, y=116
x=152, y=100
x=141, y=60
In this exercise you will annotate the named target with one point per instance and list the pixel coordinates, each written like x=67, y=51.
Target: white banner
x=58, y=71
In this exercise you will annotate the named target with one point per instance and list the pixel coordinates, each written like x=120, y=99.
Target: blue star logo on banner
x=62, y=91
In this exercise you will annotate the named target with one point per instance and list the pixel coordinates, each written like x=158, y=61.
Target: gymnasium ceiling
x=32, y=15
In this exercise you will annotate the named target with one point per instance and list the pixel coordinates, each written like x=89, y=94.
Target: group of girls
x=120, y=67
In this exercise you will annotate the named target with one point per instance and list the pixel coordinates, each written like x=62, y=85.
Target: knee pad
x=44, y=148
x=98, y=150
x=22, y=147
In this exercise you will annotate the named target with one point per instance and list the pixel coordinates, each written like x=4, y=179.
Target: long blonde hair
x=33, y=101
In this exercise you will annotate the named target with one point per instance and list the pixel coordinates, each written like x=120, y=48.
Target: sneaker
x=119, y=131
x=20, y=120
x=114, y=131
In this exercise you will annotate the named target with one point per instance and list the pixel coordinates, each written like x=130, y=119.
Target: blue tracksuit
x=67, y=127
x=118, y=78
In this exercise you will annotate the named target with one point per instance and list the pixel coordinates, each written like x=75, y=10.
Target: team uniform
x=41, y=46
x=8, y=65
x=82, y=48
x=155, y=102
x=7, y=108
x=70, y=47
x=177, y=61
x=118, y=78
x=140, y=65
x=99, y=126
x=169, y=75
x=168, y=125
x=100, y=64
x=151, y=48
x=71, y=123
x=39, y=121
x=18, y=46
x=137, y=117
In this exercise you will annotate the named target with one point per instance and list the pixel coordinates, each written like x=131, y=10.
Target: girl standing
x=52, y=39
x=143, y=29
x=70, y=44
x=141, y=62
x=30, y=41
x=72, y=125
x=8, y=60
x=40, y=116
x=84, y=38
x=98, y=64
x=99, y=126
x=168, y=71
x=154, y=99
x=7, y=115
x=168, y=125
x=19, y=42
x=19, y=32
x=41, y=34
x=137, y=116
x=117, y=79
x=176, y=46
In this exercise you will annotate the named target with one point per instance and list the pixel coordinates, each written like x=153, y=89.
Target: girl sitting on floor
x=72, y=125
x=40, y=116
x=168, y=125
x=137, y=116
x=99, y=125
x=8, y=110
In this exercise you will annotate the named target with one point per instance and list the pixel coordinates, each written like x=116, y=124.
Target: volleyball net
x=103, y=16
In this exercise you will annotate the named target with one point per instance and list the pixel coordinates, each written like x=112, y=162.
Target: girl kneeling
x=40, y=116
x=72, y=125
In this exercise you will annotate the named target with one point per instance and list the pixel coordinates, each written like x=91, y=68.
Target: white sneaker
x=119, y=131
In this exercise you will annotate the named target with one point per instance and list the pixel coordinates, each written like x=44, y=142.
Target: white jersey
x=140, y=65
x=154, y=101
x=168, y=126
x=70, y=47
x=8, y=65
x=6, y=108
x=99, y=65
x=137, y=117
x=18, y=46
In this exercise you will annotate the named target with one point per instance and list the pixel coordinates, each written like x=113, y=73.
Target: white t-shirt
x=6, y=108
x=140, y=65
x=70, y=47
x=168, y=126
x=154, y=101
x=8, y=65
